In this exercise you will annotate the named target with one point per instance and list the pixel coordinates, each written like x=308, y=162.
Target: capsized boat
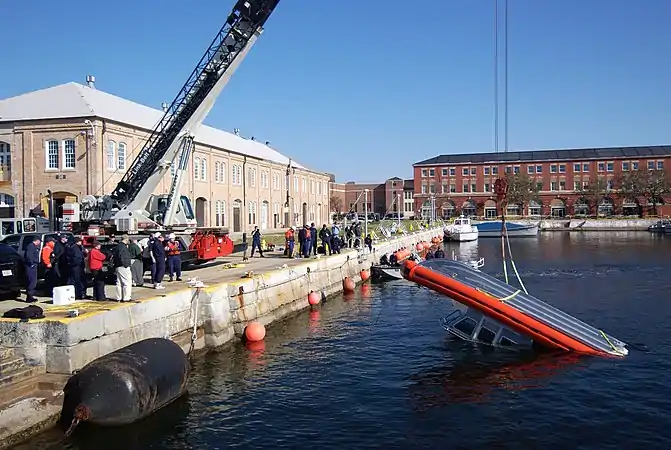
x=493, y=312
x=513, y=229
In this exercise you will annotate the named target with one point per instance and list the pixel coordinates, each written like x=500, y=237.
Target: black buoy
x=126, y=385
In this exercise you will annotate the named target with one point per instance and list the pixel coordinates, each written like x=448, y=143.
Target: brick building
x=383, y=198
x=75, y=140
x=567, y=182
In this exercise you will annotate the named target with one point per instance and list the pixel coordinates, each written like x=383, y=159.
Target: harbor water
x=376, y=370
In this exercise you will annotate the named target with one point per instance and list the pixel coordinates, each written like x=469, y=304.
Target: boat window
x=466, y=326
x=486, y=335
x=505, y=342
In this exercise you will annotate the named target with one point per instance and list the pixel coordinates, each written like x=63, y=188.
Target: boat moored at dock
x=462, y=230
x=493, y=229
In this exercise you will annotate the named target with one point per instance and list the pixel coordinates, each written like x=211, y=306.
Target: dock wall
x=220, y=310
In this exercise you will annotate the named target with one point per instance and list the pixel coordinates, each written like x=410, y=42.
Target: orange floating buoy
x=348, y=285
x=255, y=332
x=365, y=275
x=365, y=290
x=314, y=298
x=419, y=247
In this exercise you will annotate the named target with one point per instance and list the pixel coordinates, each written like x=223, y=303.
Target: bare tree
x=521, y=189
x=595, y=192
x=631, y=184
x=655, y=185
x=336, y=204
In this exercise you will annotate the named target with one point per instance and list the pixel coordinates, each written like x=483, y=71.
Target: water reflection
x=477, y=376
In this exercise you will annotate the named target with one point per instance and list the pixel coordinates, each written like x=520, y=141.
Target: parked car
x=20, y=242
x=12, y=274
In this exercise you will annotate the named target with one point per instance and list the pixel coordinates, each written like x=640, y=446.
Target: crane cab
x=184, y=215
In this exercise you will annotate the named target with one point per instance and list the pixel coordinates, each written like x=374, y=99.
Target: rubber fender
x=126, y=385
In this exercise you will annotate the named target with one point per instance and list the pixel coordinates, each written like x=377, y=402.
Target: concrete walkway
x=220, y=271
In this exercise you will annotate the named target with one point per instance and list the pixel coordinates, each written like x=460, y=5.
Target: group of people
x=66, y=263
x=304, y=242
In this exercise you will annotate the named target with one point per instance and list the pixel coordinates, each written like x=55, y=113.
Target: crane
x=132, y=206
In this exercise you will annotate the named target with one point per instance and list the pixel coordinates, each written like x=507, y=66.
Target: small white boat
x=462, y=230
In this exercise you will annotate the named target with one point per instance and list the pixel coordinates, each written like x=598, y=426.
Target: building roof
x=549, y=155
x=72, y=100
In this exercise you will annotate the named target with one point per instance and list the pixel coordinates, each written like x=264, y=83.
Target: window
x=203, y=169
x=634, y=165
x=69, y=157
x=487, y=187
x=432, y=190
x=509, y=169
x=305, y=185
x=217, y=167
x=425, y=172
x=562, y=168
x=121, y=156
x=539, y=185
x=651, y=165
x=52, y=154
x=295, y=183
x=516, y=169
x=276, y=181
x=264, y=179
x=609, y=167
x=465, y=187
x=486, y=335
x=601, y=167
x=474, y=170
x=474, y=187
x=576, y=167
x=444, y=172
x=660, y=165
x=236, y=174
x=466, y=326
x=325, y=190
x=252, y=178
x=453, y=188
x=562, y=185
x=443, y=188
x=553, y=185
x=505, y=342
x=111, y=155
x=485, y=170
x=539, y=169
x=576, y=185
x=252, y=213
x=464, y=171
x=530, y=170
x=196, y=169
x=585, y=184
x=312, y=186
x=432, y=172
x=425, y=189
x=453, y=171
x=585, y=167
x=610, y=184
x=553, y=168
x=495, y=170
x=319, y=188
x=220, y=213
x=625, y=166
x=222, y=172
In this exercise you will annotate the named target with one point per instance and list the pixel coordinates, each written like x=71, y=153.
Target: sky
x=364, y=89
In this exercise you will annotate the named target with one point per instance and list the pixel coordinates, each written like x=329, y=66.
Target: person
x=289, y=239
x=301, y=242
x=349, y=237
x=158, y=254
x=335, y=230
x=256, y=242
x=122, y=262
x=313, y=233
x=327, y=239
x=136, y=265
x=96, y=261
x=31, y=261
x=61, y=260
x=368, y=242
x=357, y=234
x=429, y=255
x=308, y=242
x=76, y=262
x=47, y=257
x=174, y=259
x=336, y=244
x=439, y=253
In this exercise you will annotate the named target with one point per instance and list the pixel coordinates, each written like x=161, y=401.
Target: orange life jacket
x=173, y=248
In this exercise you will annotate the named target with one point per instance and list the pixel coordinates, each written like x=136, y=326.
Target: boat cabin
x=471, y=325
x=462, y=221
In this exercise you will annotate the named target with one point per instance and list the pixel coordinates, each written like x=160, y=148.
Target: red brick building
x=464, y=183
x=383, y=198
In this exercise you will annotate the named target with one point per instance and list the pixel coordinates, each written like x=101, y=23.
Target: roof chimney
x=236, y=131
x=91, y=81
x=164, y=106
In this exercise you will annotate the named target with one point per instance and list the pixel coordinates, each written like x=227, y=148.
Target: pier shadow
x=476, y=377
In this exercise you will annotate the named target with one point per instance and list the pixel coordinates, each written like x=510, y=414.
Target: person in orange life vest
x=47, y=258
x=307, y=246
x=96, y=261
x=289, y=240
x=174, y=259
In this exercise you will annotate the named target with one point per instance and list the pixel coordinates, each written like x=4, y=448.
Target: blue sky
x=364, y=89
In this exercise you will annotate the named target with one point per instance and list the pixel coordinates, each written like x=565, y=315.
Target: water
x=375, y=370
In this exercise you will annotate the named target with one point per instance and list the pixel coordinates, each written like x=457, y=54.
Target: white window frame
x=217, y=166
x=64, y=161
x=48, y=168
x=203, y=169
x=111, y=155
x=122, y=156
x=196, y=168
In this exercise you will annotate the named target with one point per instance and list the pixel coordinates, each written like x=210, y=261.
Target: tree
x=631, y=184
x=655, y=185
x=521, y=189
x=336, y=204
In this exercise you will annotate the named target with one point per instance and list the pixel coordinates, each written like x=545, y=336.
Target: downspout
x=103, y=148
x=23, y=173
x=88, y=163
x=244, y=194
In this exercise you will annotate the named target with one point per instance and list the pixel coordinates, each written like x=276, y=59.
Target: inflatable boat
x=492, y=312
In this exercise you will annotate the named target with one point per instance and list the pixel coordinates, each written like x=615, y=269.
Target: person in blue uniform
x=31, y=262
x=158, y=252
x=256, y=242
x=76, y=258
x=313, y=233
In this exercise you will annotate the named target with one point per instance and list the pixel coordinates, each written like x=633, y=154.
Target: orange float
x=348, y=285
x=314, y=298
x=255, y=332
x=365, y=275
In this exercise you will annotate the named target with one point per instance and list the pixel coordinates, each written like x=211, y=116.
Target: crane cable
x=502, y=188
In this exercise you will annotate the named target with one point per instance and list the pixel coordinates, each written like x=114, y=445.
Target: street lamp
x=365, y=211
x=398, y=209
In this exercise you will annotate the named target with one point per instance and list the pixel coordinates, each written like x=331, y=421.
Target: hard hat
x=171, y=236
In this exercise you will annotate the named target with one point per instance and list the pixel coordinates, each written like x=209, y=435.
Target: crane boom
x=194, y=101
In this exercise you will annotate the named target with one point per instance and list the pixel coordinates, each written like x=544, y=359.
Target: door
x=264, y=215
x=201, y=207
x=236, y=217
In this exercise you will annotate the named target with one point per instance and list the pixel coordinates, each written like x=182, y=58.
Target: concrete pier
x=264, y=290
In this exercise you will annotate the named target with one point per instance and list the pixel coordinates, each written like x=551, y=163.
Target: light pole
x=398, y=209
x=90, y=142
x=365, y=212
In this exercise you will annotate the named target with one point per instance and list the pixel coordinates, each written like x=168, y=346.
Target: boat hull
x=386, y=273
x=467, y=236
x=517, y=311
x=495, y=229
